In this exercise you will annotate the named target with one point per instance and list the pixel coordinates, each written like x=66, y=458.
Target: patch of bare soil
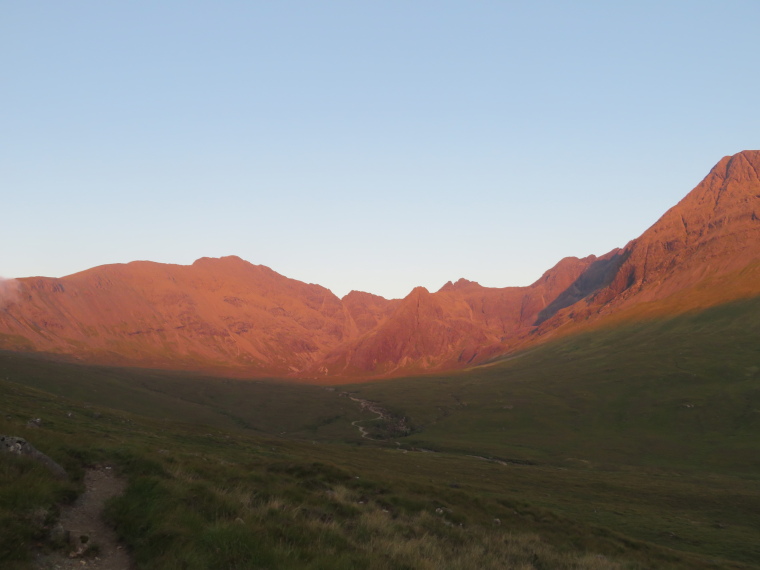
x=92, y=543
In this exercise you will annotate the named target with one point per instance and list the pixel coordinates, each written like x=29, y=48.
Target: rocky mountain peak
x=230, y=316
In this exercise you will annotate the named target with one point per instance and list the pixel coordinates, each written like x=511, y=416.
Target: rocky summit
x=231, y=317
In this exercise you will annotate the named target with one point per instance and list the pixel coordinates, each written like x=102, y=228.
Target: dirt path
x=83, y=518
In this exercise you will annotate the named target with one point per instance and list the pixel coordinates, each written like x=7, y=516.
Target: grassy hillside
x=682, y=392
x=262, y=406
x=653, y=428
x=628, y=448
x=222, y=499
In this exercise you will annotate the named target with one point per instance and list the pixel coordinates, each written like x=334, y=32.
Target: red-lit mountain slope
x=460, y=324
x=703, y=251
x=227, y=315
x=215, y=314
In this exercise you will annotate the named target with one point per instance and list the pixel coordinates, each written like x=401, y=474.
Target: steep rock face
x=367, y=310
x=704, y=243
x=594, y=277
x=459, y=325
x=714, y=229
x=422, y=331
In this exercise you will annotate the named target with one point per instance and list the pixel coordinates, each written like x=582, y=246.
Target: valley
x=634, y=447
x=605, y=416
x=379, y=285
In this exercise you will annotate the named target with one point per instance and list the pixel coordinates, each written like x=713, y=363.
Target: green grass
x=681, y=393
x=222, y=499
x=650, y=416
x=262, y=406
x=628, y=448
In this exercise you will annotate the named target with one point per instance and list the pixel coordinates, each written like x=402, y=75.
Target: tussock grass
x=29, y=499
x=198, y=500
x=227, y=527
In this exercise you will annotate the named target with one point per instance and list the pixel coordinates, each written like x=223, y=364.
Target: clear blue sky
x=361, y=145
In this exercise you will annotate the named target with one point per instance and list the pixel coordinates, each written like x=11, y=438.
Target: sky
x=374, y=146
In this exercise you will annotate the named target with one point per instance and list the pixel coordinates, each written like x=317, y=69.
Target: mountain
x=217, y=314
x=232, y=317
x=460, y=324
x=702, y=252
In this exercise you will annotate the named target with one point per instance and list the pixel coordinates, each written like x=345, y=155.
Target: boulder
x=19, y=446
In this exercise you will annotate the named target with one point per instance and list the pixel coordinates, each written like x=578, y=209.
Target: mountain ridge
x=230, y=316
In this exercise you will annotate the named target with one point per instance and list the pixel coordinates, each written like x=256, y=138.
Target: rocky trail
x=92, y=543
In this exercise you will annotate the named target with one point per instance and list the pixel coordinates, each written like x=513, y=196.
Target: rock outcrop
x=19, y=446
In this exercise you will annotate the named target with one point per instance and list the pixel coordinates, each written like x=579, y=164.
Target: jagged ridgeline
x=231, y=317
